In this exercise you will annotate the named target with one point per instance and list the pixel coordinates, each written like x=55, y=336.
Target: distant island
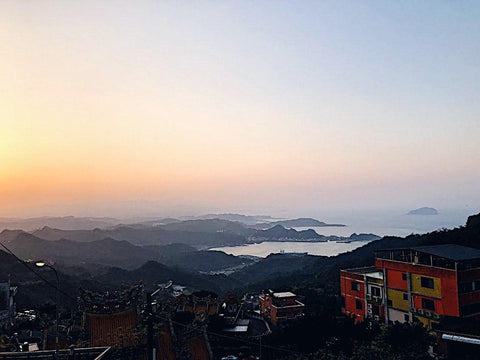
x=281, y=234
x=300, y=222
x=423, y=211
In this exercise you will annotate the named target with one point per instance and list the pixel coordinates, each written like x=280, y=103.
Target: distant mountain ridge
x=60, y=222
x=275, y=270
x=279, y=232
x=300, y=222
x=106, y=251
x=145, y=235
x=111, y=252
x=245, y=219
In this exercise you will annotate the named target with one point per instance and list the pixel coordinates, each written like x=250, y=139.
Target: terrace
x=448, y=256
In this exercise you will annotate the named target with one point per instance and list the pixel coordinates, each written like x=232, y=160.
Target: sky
x=119, y=108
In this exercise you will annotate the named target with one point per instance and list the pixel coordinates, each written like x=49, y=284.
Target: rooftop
x=448, y=256
x=370, y=271
x=285, y=294
x=450, y=251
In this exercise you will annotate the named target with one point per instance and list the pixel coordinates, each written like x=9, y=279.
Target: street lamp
x=42, y=264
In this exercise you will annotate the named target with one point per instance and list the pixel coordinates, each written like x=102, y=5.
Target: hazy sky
x=129, y=107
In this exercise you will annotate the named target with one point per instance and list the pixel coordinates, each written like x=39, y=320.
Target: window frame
x=374, y=289
x=425, y=282
x=426, y=306
x=355, y=286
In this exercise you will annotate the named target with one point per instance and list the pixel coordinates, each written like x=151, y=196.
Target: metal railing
x=96, y=353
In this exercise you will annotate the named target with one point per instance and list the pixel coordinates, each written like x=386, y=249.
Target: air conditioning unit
x=436, y=316
x=428, y=314
x=369, y=306
x=413, y=310
x=369, y=297
x=376, y=318
x=420, y=312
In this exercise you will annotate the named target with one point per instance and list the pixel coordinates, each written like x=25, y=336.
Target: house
x=280, y=306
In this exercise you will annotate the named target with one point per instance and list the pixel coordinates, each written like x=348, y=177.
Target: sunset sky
x=119, y=108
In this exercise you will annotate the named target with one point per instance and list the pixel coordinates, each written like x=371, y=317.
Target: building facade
x=280, y=306
x=362, y=293
x=422, y=284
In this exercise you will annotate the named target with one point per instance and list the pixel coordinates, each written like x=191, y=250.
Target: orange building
x=280, y=306
x=422, y=283
x=362, y=293
x=428, y=282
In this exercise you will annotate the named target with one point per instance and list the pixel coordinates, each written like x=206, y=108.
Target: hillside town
x=434, y=287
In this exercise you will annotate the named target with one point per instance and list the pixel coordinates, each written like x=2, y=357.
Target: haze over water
x=390, y=222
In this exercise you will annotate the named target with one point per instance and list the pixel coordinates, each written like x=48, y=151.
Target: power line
x=37, y=274
x=236, y=339
x=165, y=319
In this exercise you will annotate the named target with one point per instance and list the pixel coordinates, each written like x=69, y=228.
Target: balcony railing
x=97, y=353
x=416, y=257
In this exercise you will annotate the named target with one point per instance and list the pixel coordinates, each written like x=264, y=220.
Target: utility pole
x=150, y=326
x=41, y=264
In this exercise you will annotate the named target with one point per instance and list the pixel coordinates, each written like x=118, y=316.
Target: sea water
x=382, y=223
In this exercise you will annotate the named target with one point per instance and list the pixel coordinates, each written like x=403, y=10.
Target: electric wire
x=157, y=316
x=37, y=273
x=236, y=339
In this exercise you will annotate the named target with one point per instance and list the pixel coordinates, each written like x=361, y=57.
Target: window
x=428, y=304
x=405, y=296
x=355, y=286
x=358, y=304
x=406, y=317
x=404, y=277
x=389, y=303
x=375, y=291
x=376, y=310
x=427, y=282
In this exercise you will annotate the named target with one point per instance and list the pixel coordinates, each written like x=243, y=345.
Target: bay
x=328, y=248
x=382, y=223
